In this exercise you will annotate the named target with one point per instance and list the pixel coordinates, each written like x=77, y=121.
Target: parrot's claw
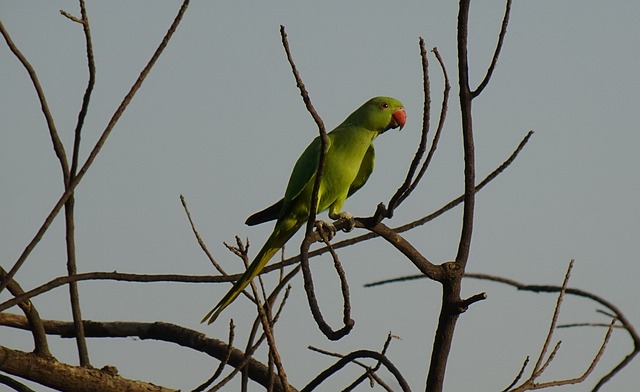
x=326, y=229
x=348, y=217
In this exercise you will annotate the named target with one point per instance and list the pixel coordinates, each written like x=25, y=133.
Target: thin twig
x=453, y=203
x=299, y=83
x=537, y=368
x=397, y=198
x=618, y=315
x=519, y=375
x=116, y=276
x=90, y=84
x=263, y=315
x=222, y=363
x=268, y=331
x=496, y=53
x=201, y=242
x=548, y=361
x=321, y=129
x=444, y=107
x=531, y=385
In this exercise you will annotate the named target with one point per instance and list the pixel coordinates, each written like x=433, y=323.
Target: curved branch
x=350, y=358
x=313, y=301
x=14, y=384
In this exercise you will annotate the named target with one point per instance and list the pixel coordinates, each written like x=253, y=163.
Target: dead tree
x=42, y=367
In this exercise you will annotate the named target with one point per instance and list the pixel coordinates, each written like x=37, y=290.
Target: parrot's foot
x=348, y=217
x=326, y=229
x=350, y=221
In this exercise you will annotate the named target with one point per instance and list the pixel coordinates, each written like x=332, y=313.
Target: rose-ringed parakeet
x=348, y=163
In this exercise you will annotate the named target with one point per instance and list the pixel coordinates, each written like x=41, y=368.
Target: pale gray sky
x=220, y=120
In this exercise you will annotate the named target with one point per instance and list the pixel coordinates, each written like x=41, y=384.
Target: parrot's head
x=380, y=114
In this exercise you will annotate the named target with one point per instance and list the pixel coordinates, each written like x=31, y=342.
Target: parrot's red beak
x=398, y=119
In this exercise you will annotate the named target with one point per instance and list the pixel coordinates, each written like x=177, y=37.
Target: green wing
x=304, y=170
x=366, y=168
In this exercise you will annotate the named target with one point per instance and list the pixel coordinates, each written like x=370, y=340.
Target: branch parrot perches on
x=348, y=164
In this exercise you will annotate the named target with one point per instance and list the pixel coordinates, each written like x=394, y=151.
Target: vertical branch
x=452, y=305
x=74, y=296
x=313, y=207
x=87, y=94
x=404, y=189
x=323, y=134
x=467, y=136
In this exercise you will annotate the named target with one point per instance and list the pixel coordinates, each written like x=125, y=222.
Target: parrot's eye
x=384, y=105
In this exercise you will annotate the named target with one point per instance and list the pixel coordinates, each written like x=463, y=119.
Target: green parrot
x=348, y=163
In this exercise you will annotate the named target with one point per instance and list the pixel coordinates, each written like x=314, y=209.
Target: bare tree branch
x=201, y=242
x=538, y=368
x=519, y=375
x=496, y=54
x=370, y=372
x=74, y=296
x=36, y=327
x=160, y=331
x=350, y=358
x=69, y=378
x=397, y=198
x=313, y=301
x=222, y=364
x=410, y=183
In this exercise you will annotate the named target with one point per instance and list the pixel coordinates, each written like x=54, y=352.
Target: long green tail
x=275, y=242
